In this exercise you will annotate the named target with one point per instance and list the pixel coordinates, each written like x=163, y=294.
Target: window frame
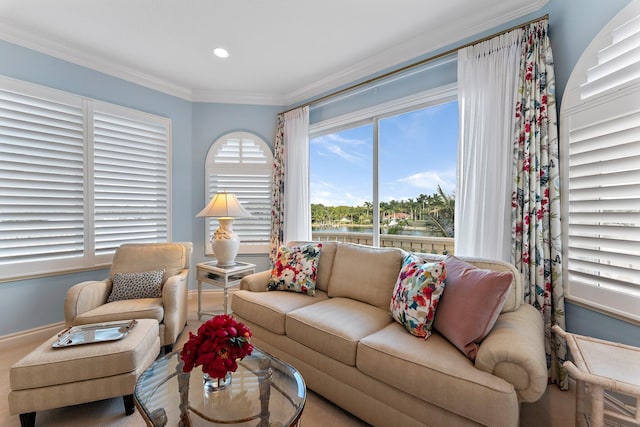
x=246, y=198
x=85, y=258
x=373, y=115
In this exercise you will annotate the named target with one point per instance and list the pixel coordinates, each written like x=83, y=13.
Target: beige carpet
x=554, y=409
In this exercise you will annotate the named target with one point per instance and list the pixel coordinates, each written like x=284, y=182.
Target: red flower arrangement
x=219, y=343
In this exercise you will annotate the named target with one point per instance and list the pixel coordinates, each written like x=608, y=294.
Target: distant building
x=399, y=216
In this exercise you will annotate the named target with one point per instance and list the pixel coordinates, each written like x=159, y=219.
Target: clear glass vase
x=215, y=384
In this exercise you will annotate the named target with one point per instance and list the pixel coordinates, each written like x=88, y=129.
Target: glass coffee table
x=264, y=391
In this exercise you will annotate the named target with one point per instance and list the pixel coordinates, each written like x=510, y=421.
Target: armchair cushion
x=146, y=284
x=140, y=308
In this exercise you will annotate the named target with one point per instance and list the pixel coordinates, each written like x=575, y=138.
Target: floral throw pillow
x=296, y=269
x=147, y=284
x=416, y=294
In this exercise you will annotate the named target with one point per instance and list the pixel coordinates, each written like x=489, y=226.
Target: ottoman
x=51, y=377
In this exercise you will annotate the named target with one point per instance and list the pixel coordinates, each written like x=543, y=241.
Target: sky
x=417, y=152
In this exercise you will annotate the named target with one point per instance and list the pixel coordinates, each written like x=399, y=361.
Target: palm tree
x=442, y=214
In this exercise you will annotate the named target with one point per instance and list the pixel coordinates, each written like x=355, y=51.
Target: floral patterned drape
x=277, y=191
x=537, y=248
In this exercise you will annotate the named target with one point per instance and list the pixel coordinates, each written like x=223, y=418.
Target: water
x=369, y=230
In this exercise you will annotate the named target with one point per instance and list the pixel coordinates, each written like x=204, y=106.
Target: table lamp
x=225, y=243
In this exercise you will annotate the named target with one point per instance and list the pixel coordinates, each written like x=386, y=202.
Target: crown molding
x=31, y=40
x=236, y=97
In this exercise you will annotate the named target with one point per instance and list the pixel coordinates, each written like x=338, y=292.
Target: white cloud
x=334, y=144
x=337, y=139
x=338, y=151
x=427, y=182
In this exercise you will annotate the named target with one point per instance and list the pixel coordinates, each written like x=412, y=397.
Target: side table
x=223, y=277
x=600, y=365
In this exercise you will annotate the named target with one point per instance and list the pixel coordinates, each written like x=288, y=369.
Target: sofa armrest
x=256, y=282
x=85, y=296
x=174, y=300
x=514, y=350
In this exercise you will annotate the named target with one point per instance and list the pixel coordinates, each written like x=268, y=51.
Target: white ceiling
x=282, y=51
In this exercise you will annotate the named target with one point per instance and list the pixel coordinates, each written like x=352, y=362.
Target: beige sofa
x=350, y=351
x=86, y=302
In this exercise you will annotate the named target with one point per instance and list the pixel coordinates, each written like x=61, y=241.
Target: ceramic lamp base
x=225, y=243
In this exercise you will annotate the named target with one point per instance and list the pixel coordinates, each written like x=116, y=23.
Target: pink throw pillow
x=470, y=304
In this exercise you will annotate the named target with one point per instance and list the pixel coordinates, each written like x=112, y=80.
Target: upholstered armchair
x=146, y=281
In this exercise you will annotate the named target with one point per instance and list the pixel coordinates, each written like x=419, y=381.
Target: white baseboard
x=39, y=334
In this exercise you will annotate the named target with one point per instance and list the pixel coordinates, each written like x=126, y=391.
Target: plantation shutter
x=602, y=126
x=41, y=180
x=78, y=178
x=131, y=172
x=241, y=163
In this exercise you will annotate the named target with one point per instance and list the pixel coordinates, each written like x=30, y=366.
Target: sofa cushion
x=296, y=269
x=145, y=284
x=365, y=273
x=142, y=308
x=471, y=303
x=325, y=263
x=269, y=309
x=435, y=371
x=416, y=294
x=334, y=327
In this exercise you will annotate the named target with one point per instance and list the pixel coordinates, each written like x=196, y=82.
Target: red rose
x=219, y=343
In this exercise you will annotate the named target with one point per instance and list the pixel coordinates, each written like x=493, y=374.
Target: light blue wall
x=28, y=304
x=437, y=74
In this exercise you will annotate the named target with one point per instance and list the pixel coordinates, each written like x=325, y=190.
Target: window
x=78, y=178
x=341, y=183
x=241, y=163
x=386, y=176
x=601, y=128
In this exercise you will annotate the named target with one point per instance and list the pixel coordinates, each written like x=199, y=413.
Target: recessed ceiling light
x=221, y=52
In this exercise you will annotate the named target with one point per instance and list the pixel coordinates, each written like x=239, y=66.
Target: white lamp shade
x=224, y=205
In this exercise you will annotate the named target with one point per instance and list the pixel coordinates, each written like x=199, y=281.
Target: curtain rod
x=414, y=65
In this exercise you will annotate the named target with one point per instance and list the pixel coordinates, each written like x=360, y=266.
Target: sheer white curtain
x=297, y=205
x=487, y=85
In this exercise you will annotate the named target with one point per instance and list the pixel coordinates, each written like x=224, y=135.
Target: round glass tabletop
x=264, y=391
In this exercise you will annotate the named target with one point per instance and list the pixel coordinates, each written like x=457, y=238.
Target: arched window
x=600, y=131
x=241, y=163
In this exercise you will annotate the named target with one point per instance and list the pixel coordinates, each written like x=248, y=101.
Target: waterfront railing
x=424, y=244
